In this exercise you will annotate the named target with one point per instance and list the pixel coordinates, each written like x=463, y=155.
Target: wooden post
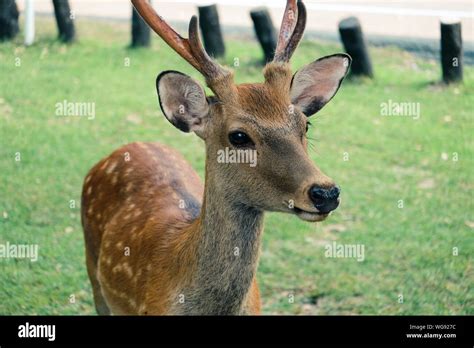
x=64, y=20
x=211, y=31
x=29, y=22
x=8, y=19
x=355, y=45
x=140, y=30
x=451, y=51
x=265, y=32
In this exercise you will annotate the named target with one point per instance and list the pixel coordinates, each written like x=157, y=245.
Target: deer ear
x=183, y=101
x=315, y=84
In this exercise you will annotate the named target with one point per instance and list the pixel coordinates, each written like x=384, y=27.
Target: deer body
x=143, y=199
x=157, y=240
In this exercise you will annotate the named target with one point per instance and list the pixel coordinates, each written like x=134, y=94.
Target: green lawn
x=377, y=160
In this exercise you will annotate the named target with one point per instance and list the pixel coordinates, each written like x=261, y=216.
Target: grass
x=408, y=251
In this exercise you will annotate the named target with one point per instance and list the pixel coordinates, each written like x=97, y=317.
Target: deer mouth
x=310, y=216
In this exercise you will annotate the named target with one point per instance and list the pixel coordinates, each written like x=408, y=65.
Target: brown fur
x=158, y=242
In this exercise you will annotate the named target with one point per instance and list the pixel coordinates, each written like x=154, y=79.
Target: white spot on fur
x=111, y=168
x=128, y=270
x=132, y=302
x=102, y=167
x=137, y=213
x=125, y=268
x=117, y=269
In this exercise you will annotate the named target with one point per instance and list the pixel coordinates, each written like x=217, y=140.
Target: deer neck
x=227, y=251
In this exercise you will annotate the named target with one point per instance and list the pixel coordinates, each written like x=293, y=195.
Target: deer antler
x=291, y=30
x=190, y=49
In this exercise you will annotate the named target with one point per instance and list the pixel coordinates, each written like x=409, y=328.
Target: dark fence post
x=354, y=43
x=211, y=30
x=8, y=19
x=451, y=51
x=265, y=32
x=63, y=15
x=140, y=30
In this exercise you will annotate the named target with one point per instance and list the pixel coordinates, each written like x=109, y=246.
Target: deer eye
x=240, y=139
x=308, y=124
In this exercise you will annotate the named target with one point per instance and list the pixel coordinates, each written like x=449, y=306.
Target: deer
x=160, y=242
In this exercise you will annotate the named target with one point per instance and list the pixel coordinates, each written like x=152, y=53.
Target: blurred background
x=411, y=24
x=78, y=81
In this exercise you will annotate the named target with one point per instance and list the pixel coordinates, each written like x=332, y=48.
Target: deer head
x=270, y=118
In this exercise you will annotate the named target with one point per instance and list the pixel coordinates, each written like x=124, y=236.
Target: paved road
x=411, y=19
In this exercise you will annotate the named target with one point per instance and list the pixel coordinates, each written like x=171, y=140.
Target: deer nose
x=325, y=200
